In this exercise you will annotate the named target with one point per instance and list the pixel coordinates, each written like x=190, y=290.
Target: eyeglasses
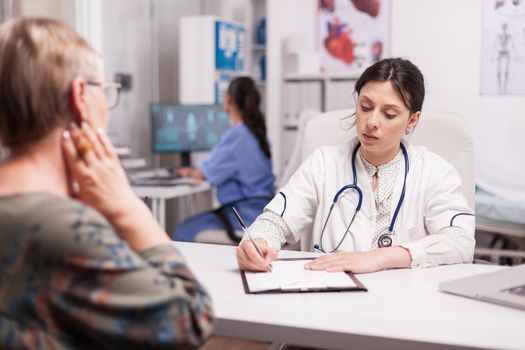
x=111, y=90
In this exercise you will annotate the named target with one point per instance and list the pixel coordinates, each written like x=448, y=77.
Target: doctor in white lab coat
x=412, y=211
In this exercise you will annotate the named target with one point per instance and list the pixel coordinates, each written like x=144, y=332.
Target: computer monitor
x=186, y=128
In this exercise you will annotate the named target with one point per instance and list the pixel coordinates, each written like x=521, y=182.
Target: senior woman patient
x=84, y=264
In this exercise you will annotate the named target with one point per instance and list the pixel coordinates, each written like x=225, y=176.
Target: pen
x=245, y=229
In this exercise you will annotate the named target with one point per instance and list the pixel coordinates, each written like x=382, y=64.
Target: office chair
x=444, y=133
x=296, y=155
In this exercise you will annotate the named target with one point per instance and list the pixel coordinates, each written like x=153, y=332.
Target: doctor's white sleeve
x=450, y=237
x=450, y=245
x=290, y=215
x=271, y=227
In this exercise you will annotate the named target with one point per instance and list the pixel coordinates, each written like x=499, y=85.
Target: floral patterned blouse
x=67, y=281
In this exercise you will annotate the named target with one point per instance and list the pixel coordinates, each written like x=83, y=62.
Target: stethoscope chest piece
x=385, y=240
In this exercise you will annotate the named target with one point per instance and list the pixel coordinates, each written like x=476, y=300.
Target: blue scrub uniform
x=243, y=176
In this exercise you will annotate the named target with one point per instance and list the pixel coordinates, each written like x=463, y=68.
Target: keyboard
x=154, y=177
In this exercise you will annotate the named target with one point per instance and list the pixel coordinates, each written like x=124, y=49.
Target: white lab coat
x=433, y=196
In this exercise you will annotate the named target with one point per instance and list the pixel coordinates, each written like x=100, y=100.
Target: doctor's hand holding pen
x=249, y=259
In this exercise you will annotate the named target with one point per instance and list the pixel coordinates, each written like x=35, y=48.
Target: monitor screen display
x=186, y=128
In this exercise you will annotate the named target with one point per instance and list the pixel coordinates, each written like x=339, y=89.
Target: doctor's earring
x=407, y=131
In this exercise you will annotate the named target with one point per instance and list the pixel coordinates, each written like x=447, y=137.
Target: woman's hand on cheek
x=356, y=262
x=93, y=164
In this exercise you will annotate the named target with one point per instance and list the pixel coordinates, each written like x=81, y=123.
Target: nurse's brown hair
x=247, y=98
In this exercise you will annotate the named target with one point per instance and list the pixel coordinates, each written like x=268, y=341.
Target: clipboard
x=307, y=287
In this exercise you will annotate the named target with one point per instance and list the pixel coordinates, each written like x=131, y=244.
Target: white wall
x=285, y=17
x=168, y=14
x=139, y=37
x=126, y=47
x=59, y=9
x=444, y=39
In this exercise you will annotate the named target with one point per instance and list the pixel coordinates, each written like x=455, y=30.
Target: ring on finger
x=84, y=146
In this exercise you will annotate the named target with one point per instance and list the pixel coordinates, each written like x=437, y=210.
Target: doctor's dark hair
x=406, y=78
x=247, y=99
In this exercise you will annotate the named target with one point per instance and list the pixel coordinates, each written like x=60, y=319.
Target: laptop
x=505, y=287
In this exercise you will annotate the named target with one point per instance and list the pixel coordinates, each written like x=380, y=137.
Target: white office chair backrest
x=444, y=133
x=296, y=155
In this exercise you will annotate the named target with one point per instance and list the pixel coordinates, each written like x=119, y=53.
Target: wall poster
x=503, y=48
x=353, y=34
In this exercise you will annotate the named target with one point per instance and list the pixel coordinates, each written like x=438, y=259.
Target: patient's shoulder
x=66, y=213
x=55, y=225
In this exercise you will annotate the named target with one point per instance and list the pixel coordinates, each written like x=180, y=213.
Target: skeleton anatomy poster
x=353, y=34
x=503, y=47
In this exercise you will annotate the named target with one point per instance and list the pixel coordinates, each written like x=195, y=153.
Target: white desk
x=401, y=310
x=159, y=195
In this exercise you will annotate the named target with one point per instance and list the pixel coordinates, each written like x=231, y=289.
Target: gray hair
x=39, y=59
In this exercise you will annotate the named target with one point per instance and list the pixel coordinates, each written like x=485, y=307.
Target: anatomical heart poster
x=503, y=48
x=353, y=34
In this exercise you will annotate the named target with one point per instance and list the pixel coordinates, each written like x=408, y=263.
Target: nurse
x=239, y=166
x=376, y=203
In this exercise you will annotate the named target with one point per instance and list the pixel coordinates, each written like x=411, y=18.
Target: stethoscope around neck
x=386, y=239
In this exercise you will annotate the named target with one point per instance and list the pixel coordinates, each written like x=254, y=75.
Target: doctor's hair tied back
x=348, y=122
